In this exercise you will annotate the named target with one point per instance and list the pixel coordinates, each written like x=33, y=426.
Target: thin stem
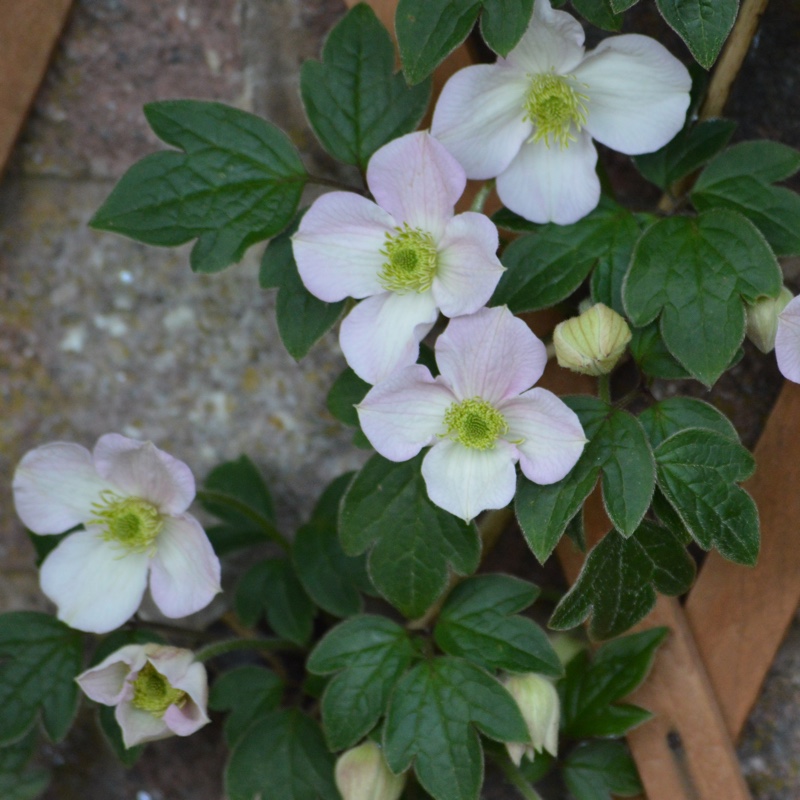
x=604, y=388
x=480, y=198
x=232, y=645
x=515, y=777
x=320, y=181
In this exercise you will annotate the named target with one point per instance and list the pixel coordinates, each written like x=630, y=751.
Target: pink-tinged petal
x=787, y=341
x=479, y=117
x=382, y=334
x=551, y=184
x=55, y=486
x=106, y=682
x=638, y=93
x=547, y=433
x=140, y=726
x=552, y=43
x=491, y=355
x=195, y=683
x=184, y=573
x=338, y=246
x=96, y=584
x=466, y=481
x=172, y=662
x=405, y=412
x=140, y=469
x=468, y=269
x=417, y=181
x=186, y=720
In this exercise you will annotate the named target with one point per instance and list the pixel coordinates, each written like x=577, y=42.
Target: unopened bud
x=537, y=699
x=593, y=342
x=362, y=774
x=762, y=319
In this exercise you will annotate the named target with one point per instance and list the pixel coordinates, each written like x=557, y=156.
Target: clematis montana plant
x=364, y=654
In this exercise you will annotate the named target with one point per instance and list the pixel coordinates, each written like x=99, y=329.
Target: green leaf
x=302, y=318
x=272, y=587
x=248, y=693
x=547, y=266
x=354, y=101
x=479, y=622
x=741, y=179
x=281, y=757
x=619, y=579
x=503, y=22
x=237, y=182
x=510, y=221
x=652, y=356
x=592, y=689
x=609, y=272
x=702, y=25
x=672, y=415
x=697, y=472
x=445, y=698
x=370, y=654
x=15, y=782
x=622, y=5
x=596, y=770
x=429, y=30
x=688, y=151
x=695, y=273
x=600, y=13
x=412, y=541
x=347, y=392
x=44, y=545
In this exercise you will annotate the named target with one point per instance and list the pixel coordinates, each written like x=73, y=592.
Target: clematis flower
x=157, y=691
x=476, y=414
x=787, y=341
x=361, y=773
x=408, y=255
x=131, y=498
x=529, y=119
x=538, y=701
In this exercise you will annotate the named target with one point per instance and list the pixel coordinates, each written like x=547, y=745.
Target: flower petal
x=552, y=438
x=468, y=269
x=417, y=181
x=382, y=333
x=185, y=570
x=638, y=93
x=466, y=481
x=479, y=117
x=405, y=412
x=787, y=341
x=142, y=470
x=55, y=486
x=491, y=354
x=186, y=720
x=337, y=246
x=96, y=585
x=140, y=726
x=105, y=683
x=551, y=184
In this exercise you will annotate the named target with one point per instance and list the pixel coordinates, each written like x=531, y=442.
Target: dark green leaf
x=695, y=274
x=622, y=5
x=281, y=757
x=44, y=545
x=370, y=654
x=240, y=482
x=354, y=101
x=412, y=541
x=509, y=221
x=445, y=697
x=503, y=22
x=653, y=357
x=674, y=414
x=600, y=13
x=347, y=391
x=703, y=25
x=237, y=182
x=15, y=782
x=596, y=770
x=609, y=272
x=479, y=622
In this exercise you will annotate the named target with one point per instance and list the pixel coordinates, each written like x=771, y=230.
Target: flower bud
x=362, y=774
x=537, y=699
x=593, y=342
x=762, y=319
x=566, y=647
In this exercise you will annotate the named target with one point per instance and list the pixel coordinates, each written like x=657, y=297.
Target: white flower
x=530, y=118
x=362, y=774
x=408, y=255
x=476, y=414
x=787, y=341
x=131, y=497
x=157, y=691
x=537, y=699
x=762, y=319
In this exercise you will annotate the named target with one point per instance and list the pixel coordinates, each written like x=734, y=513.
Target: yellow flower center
x=154, y=693
x=475, y=423
x=411, y=260
x=555, y=107
x=129, y=521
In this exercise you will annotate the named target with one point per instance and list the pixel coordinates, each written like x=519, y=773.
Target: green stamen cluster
x=475, y=423
x=411, y=260
x=131, y=522
x=554, y=107
x=152, y=692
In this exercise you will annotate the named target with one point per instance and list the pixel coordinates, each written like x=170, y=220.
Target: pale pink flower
x=407, y=254
x=530, y=118
x=787, y=341
x=157, y=691
x=131, y=498
x=476, y=414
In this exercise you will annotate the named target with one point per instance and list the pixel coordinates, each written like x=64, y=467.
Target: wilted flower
x=362, y=774
x=537, y=699
x=592, y=342
x=476, y=414
x=131, y=497
x=157, y=691
x=409, y=256
x=787, y=341
x=529, y=119
x=762, y=319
